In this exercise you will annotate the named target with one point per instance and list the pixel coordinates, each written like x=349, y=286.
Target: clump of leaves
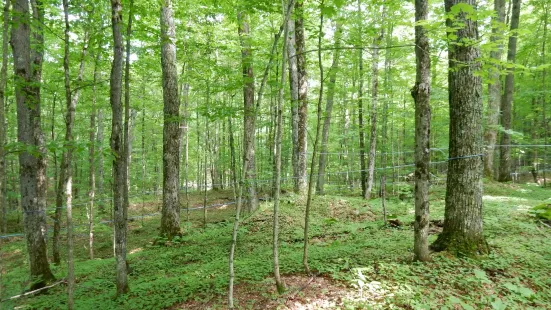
x=542, y=211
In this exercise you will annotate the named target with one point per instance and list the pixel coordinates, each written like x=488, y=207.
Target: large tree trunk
x=117, y=147
x=462, y=232
x=328, y=110
x=293, y=85
x=300, y=42
x=170, y=220
x=27, y=43
x=507, y=100
x=421, y=95
x=3, y=80
x=249, y=119
x=494, y=90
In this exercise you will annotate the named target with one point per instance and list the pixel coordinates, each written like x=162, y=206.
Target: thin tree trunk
x=92, y=161
x=463, y=233
x=66, y=181
x=170, y=221
x=28, y=43
x=3, y=81
x=507, y=99
x=328, y=110
x=316, y=140
x=280, y=285
x=374, y=100
x=494, y=89
x=100, y=178
x=249, y=121
x=363, y=171
x=126, y=127
x=421, y=96
x=117, y=147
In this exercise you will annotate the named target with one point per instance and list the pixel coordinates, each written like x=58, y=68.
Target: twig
x=36, y=291
x=547, y=225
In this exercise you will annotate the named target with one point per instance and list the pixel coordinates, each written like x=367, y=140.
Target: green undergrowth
x=348, y=243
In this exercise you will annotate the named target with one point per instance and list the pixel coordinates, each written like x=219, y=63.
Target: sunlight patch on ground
x=502, y=198
x=136, y=250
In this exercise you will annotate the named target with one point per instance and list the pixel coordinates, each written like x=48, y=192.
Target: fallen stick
x=547, y=225
x=36, y=291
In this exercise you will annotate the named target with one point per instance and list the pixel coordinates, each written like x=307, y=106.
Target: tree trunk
x=100, y=178
x=293, y=85
x=170, y=220
x=3, y=80
x=463, y=234
x=494, y=89
x=363, y=171
x=92, y=161
x=315, y=149
x=27, y=43
x=374, y=101
x=117, y=147
x=126, y=126
x=280, y=284
x=302, y=97
x=249, y=118
x=507, y=99
x=421, y=96
x=328, y=110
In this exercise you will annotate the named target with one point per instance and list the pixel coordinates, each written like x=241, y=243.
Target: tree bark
x=315, y=149
x=170, y=220
x=27, y=41
x=421, y=96
x=494, y=89
x=374, y=101
x=328, y=110
x=507, y=99
x=293, y=85
x=117, y=148
x=249, y=118
x=92, y=161
x=3, y=81
x=300, y=42
x=463, y=234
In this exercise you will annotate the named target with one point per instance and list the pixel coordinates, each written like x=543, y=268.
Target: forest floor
x=359, y=263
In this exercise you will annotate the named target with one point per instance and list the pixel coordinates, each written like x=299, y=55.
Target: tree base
x=461, y=245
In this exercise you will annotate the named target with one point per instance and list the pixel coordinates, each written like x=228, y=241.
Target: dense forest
x=257, y=154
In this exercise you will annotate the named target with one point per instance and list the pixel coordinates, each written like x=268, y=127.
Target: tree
x=421, y=96
x=300, y=42
x=27, y=41
x=328, y=110
x=170, y=221
x=494, y=88
x=3, y=81
x=117, y=148
x=463, y=233
x=507, y=99
x=249, y=118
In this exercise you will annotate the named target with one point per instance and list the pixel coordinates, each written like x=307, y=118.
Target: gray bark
x=293, y=85
x=421, y=96
x=117, y=148
x=249, y=121
x=170, y=220
x=27, y=44
x=300, y=41
x=507, y=100
x=328, y=110
x=374, y=102
x=3, y=81
x=494, y=89
x=463, y=232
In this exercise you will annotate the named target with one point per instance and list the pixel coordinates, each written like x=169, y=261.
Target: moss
x=542, y=211
x=461, y=245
